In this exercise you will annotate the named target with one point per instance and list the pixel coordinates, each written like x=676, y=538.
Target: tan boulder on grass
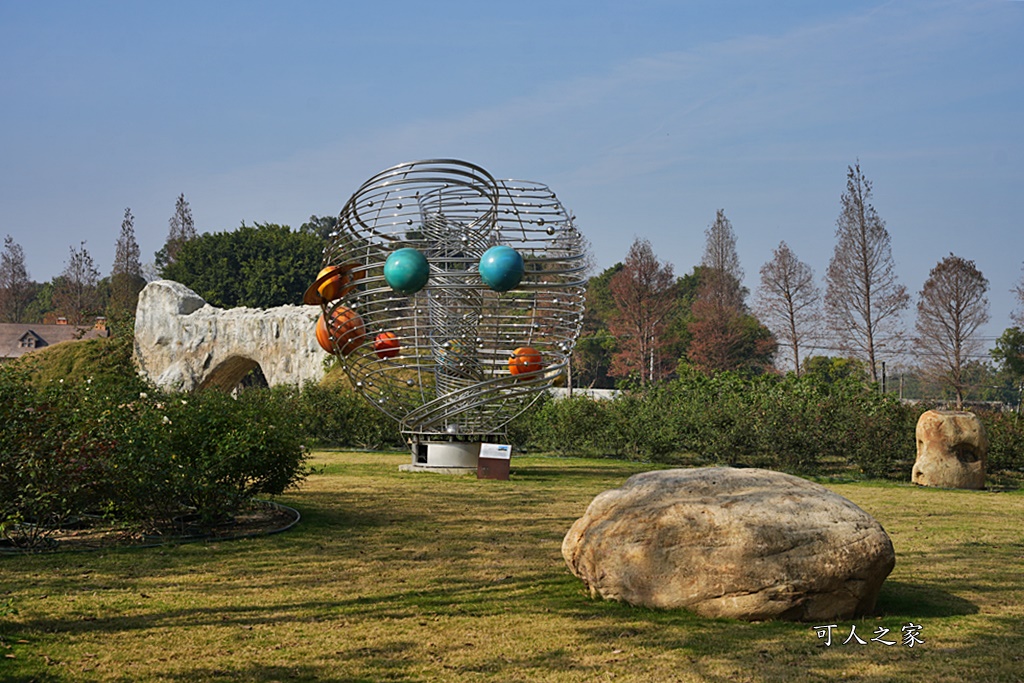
x=723, y=542
x=952, y=450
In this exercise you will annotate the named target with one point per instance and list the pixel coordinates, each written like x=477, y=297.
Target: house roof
x=17, y=339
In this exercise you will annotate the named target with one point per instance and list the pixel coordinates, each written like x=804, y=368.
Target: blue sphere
x=501, y=268
x=406, y=270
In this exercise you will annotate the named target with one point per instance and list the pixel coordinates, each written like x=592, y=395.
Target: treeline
x=261, y=266
x=643, y=325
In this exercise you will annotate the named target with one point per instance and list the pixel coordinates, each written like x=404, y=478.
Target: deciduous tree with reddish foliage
x=724, y=336
x=645, y=300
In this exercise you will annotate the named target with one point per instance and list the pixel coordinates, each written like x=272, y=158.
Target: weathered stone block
x=723, y=542
x=952, y=450
x=183, y=343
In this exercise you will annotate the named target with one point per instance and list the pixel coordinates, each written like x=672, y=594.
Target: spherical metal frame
x=450, y=377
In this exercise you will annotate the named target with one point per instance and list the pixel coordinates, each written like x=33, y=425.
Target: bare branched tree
x=76, y=294
x=863, y=300
x=789, y=301
x=126, y=278
x=951, y=308
x=15, y=286
x=644, y=296
x=722, y=276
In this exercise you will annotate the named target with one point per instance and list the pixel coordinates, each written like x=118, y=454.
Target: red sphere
x=386, y=345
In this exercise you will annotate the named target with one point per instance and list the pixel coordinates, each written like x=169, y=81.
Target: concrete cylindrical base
x=445, y=455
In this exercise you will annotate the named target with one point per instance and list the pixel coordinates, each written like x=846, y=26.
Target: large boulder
x=723, y=542
x=952, y=450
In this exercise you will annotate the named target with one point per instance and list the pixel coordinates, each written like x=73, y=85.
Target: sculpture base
x=444, y=457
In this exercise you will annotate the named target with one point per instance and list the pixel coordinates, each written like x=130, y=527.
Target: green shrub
x=795, y=424
x=53, y=455
x=334, y=415
x=639, y=425
x=1005, y=441
x=228, y=449
x=142, y=457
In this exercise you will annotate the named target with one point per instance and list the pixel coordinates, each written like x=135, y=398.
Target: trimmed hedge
x=800, y=425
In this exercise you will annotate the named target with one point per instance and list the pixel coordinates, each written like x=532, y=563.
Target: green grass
x=74, y=361
x=417, y=577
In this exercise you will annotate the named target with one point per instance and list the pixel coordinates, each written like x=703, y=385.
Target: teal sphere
x=406, y=270
x=501, y=268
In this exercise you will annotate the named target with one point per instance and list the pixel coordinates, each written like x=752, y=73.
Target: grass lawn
x=415, y=577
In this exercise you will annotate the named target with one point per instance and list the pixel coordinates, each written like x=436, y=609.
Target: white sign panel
x=497, y=451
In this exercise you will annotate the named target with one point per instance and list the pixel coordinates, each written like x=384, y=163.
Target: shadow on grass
x=898, y=598
x=257, y=673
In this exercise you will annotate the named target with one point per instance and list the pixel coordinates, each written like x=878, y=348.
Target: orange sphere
x=386, y=345
x=525, y=360
x=346, y=328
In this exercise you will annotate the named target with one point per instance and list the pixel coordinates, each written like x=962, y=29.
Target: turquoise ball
x=501, y=268
x=406, y=270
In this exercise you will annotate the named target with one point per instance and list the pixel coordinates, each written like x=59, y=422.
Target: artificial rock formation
x=952, y=450
x=182, y=343
x=723, y=542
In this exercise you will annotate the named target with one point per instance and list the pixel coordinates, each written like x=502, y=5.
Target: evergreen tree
x=323, y=227
x=592, y=356
x=126, y=280
x=181, y=229
x=259, y=266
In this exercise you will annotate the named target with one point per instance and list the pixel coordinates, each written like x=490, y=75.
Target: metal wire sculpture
x=451, y=299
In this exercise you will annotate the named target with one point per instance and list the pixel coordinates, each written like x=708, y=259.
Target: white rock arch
x=182, y=343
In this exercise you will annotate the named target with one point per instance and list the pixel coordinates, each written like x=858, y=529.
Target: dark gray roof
x=17, y=339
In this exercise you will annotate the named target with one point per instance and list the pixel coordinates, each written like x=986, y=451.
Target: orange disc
x=332, y=287
x=524, y=360
x=346, y=328
x=386, y=345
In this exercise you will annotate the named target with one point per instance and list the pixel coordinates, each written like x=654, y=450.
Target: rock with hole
x=724, y=542
x=952, y=450
x=183, y=343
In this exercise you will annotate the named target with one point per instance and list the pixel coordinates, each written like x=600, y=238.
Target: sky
x=644, y=117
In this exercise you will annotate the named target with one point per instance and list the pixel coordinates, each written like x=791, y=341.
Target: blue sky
x=645, y=117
